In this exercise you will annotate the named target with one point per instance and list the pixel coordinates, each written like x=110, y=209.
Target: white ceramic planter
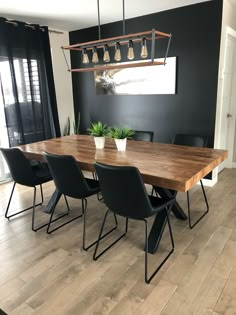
x=99, y=142
x=121, y=144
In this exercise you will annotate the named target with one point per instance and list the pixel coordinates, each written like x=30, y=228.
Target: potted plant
x=77, y=126
x=120, y=134
x=66, y=131
x=99, y=131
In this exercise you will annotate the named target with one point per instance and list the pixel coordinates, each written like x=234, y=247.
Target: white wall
x=62, y=78
x=228, y=19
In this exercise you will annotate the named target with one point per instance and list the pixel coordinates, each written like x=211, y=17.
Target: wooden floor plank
x=158, y=298
x=225, y=261
x=208, y=295
x=200, y=269
x=226, y=304
x=47, y=274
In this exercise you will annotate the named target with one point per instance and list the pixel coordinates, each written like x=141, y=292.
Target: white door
x=227, y=127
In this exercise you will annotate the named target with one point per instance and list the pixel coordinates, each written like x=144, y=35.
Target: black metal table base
x=159, y=223
x=168, y=194
x=160, y=220
x=53, y=201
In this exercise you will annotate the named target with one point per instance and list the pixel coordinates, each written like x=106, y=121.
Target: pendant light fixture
x=127, y=40
x=144, y=50
x=130, y=54
x=85, y=58
x=95, y=58
x=117, y=56
x=106, y=55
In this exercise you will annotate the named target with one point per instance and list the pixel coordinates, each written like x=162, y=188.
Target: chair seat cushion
x=42, y=173
x=93, y=185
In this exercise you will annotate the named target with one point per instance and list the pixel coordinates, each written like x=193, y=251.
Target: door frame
x=230, y=33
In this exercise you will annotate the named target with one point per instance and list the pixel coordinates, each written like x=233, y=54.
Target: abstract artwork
x=156, y=79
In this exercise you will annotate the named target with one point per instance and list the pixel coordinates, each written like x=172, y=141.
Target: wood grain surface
x=166, y=165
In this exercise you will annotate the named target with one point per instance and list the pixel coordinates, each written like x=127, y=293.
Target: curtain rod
x=55, y=31
x=32, y=26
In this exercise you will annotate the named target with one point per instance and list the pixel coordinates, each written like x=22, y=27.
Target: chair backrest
x=143, y=135
x=123, y=190
x=19, y=166
x=67, y=175
x=190, y=140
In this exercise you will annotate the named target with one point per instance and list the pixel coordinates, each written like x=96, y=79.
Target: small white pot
x=99, y=142
x=121, y=144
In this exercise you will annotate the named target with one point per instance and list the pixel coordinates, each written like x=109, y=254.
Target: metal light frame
x=151, y=35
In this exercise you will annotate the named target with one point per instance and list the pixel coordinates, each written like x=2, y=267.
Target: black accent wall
x=196, y=33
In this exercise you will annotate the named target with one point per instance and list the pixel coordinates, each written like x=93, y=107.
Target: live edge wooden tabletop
x=165, y=165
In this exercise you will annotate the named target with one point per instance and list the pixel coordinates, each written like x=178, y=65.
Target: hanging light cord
x=99, y=21
x=123, y=17
x=99, y=24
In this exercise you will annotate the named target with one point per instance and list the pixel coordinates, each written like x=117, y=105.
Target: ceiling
x=70, y=14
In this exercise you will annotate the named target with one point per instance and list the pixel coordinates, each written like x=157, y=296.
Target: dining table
x=171, y=167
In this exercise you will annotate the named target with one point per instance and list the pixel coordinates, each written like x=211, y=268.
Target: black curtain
x=26, y=83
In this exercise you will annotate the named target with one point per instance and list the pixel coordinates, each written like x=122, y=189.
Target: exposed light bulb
x=117, y=56
x=85, y=58
x=106, y=56
x=144, y=51
x=95, y=55
x=130, y=54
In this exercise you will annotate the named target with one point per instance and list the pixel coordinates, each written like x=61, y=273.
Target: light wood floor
x=50, y=274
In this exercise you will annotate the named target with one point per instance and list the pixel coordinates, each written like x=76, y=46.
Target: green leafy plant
x=121, y=132
x=66, y=131
x=98, y=129
x=77, y=126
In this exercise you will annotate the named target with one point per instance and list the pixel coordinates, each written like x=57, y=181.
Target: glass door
x=4, y=171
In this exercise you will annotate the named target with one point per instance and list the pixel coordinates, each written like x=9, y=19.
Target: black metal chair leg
x=67, y=204
x=33, y=213
x=95, y=256
x=35, y=229
x=84, y=209
x=41, y=190
x=84, y=205
x=126, y=225
x=149, y=279
x=170, y=228
x=99, y=195
x=9, y=202
x=191, y=225
x=29, y=208
x=51, y=220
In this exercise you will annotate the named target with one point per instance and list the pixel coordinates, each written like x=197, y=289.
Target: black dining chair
x=115, y=183
x=190, y=140
x=194, y=141
x=23, y=173
x=70, y=181
x=143, y=135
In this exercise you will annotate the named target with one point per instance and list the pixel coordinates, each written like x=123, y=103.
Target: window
x=23, y=127
x=35, y=80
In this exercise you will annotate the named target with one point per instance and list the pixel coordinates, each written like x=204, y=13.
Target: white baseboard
x=214, y=180
x=5, y=180
x=209, y=182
